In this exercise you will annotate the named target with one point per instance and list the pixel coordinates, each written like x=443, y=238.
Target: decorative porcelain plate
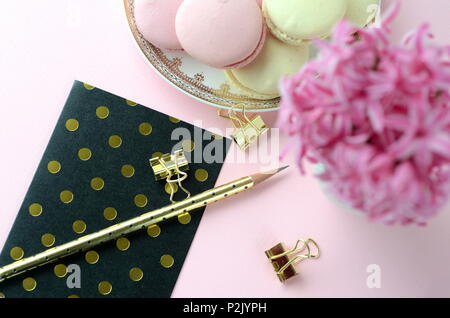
x=202, y=82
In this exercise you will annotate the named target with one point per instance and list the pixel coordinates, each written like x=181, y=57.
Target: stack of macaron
x=255, y=42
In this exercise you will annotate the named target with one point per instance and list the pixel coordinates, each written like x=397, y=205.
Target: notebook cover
x=109, y=172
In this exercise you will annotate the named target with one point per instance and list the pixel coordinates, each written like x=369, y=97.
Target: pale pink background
x=47, y=44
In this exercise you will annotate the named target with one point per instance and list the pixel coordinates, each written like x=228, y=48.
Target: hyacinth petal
x=377, y=116
x=403, y=178
x=440, y=145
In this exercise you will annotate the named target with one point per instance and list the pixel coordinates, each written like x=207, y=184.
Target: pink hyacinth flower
x=377, y=116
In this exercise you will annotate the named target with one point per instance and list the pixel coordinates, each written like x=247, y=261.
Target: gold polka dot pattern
x=109, y=213
x=145, y=129
x=88, y=87
x=136, y=274
x=54, y=167
x=35, y=209
x=60, y=270
x=169, y=187
x=123, y=243
x=167, y=261
x=92, y=257
x=48, y=239
x=66, y=196
x=89, y=159
x=16, y=253
x=188, y=145
x=201, y=175
x=105, y=288
x=154, y=230
x=29, y=284
x=140, y=200
x=131, y=103
x=102, y=112
x=115, y=141
x=72, y=124
x=127, y=171
x=97, y=184
x=184, y=218
x=174, y=120
x=84, y=154
x=79, y=227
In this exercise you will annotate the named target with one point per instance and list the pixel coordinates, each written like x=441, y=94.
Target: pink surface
x=59, y=41
x=156, y=21
x=220, y=33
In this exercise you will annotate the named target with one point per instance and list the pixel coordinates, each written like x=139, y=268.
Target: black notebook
x=94, y=173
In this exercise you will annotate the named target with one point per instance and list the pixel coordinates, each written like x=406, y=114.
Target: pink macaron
x=225, y=34
x=155, y=19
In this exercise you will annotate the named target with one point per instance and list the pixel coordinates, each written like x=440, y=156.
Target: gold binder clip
x=171, y=165
x=247, y=130
x=283, y=260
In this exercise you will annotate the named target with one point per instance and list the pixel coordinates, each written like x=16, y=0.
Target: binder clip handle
x=171, y=165
x=181, y=177
x=283, y=260
x=246, y=130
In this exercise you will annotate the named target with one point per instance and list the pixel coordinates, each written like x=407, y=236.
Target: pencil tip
x=260, y=177
x=282, y=168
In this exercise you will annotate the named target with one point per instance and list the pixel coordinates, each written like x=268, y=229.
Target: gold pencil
x=138, y=223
